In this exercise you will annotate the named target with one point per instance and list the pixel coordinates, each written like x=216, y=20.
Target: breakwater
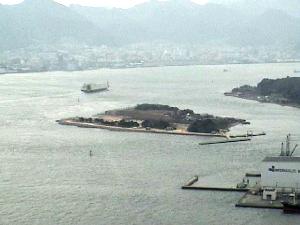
x=70, y=122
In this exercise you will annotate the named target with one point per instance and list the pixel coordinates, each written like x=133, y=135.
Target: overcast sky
x=106, y=3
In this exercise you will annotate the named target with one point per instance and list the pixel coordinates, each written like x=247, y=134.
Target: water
x=48, y=177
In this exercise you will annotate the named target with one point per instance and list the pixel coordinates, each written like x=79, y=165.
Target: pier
x=190, y=186
x=251, y=199
x=70, y=122
x=230, y=189
x=248, y=135
x=255, y=201
x=224, y=141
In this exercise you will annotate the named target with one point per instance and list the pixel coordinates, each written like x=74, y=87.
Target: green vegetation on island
x=162, y=117
x=284, y=91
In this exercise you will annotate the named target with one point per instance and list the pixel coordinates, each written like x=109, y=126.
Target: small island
x=284, y=91
x=156, y=118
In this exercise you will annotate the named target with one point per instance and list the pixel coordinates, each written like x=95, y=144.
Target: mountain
x=44, y=21
x=176, y=21
x=271, y=28
x=186, y=22
x=256, y=7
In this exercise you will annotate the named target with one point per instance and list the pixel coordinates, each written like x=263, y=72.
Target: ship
x=296, y=71
x=291, y=205
x=91, y=88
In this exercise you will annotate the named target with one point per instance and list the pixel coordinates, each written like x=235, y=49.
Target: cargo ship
x=91, y=88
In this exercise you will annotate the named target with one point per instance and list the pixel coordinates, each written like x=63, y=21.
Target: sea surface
x=48, y=177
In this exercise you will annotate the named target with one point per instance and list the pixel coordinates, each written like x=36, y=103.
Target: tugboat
x=291, y=205
x=91, y=88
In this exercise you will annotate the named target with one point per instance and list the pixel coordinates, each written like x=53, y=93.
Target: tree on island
x=158, y=124
x=155, y=107
x=288, y=87
x=128, y=124
x=209, y=125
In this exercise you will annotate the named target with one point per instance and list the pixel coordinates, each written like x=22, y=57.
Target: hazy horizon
x=99, y=3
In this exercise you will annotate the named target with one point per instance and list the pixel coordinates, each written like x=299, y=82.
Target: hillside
x=176, y=21
x=208, y=24
x=44, y=21
x=285, y=91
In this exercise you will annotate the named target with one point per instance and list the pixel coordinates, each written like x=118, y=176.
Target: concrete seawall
x=70, y=122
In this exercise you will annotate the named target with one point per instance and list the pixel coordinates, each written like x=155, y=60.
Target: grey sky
x=105, y=3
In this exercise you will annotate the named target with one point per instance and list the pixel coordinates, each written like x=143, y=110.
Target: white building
x=270, y=194
x=281, y=173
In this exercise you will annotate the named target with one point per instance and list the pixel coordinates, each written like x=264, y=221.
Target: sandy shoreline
x=69, y=122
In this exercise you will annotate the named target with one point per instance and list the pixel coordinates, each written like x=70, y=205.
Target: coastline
x=257, y=99
x=69, y=122
x=149, y=66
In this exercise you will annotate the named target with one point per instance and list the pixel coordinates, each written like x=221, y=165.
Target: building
x=281, y=173
x=270, y=194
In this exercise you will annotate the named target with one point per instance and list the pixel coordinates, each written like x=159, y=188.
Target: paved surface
x=256, y=201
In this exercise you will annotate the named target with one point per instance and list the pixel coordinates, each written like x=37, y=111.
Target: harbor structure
x=281, y=173
x=276, y=186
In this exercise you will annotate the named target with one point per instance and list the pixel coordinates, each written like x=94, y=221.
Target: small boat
x=91, y=88
x=291, y=205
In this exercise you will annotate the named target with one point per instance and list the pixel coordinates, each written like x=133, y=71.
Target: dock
x=255, y=201
x=251, y=199
x=71, y=122
x=248, y=135
x=229, y=189
x=224, y=141
x=190, y=186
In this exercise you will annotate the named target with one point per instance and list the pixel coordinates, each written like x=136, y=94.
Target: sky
x=104, y=3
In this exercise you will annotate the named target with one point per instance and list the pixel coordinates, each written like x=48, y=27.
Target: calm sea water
x=47, y=176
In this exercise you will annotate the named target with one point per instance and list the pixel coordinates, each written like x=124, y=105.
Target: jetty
x=224, y=141
x=249, y=134
x=234, y=138
x=70, y=122
x=190, y=186
x=251, y=199
x=275, y=186
x=255, y=201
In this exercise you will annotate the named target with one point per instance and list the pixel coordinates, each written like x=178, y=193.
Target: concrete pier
x=190, y=186
x=248, y=135
x=230, y=189
x=71, y=122
x=255, y=201
x=225, y=141
x=251, y=199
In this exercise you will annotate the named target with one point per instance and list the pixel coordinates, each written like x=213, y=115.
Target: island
x=284, y=91
x=157, y=118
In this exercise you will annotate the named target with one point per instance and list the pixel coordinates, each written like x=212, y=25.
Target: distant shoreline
x=69, y=122
x=148, y=66
x=281, y=91
x=256, y=98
